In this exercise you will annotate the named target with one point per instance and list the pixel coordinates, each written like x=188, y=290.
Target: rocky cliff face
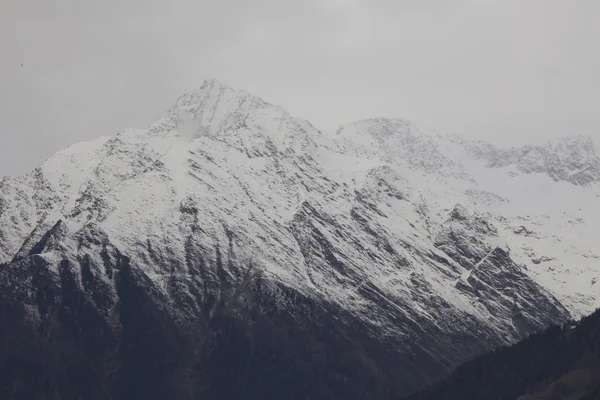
x=231, y=250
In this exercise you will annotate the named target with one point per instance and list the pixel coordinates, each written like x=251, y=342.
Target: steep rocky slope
x=231, y=242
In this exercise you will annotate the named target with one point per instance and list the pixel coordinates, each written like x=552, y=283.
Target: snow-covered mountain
x=419, y=249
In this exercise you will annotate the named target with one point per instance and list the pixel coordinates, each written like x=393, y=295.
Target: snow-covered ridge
x=574, y=159
x=379, y=209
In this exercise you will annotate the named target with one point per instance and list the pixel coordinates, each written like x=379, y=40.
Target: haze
x=510, y=71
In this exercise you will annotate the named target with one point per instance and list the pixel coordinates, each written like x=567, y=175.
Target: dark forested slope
x=560, y=363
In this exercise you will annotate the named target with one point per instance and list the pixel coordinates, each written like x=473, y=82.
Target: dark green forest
x=560, y=363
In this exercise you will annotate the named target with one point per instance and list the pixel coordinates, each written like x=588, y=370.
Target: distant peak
x=212, y=92
x=216, y=87
x=211, y=82
x=382, y=127
x=215, y=108
x=380, y=121
x=584, y=141
x=213, y=85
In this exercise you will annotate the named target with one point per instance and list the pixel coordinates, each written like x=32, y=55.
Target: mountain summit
x=231, y=250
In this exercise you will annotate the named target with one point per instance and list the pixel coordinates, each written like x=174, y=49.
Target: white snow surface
x=247, y=168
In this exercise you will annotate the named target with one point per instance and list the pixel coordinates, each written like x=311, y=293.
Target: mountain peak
x=215, y=86
x=210, y=94
x=578, y=145
x=381, y=127
x=216, y=108
x=254, y=222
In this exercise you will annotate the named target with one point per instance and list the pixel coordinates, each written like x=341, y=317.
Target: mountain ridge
x=228, y=208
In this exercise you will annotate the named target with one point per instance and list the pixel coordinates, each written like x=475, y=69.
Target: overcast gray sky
x=507, y=70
